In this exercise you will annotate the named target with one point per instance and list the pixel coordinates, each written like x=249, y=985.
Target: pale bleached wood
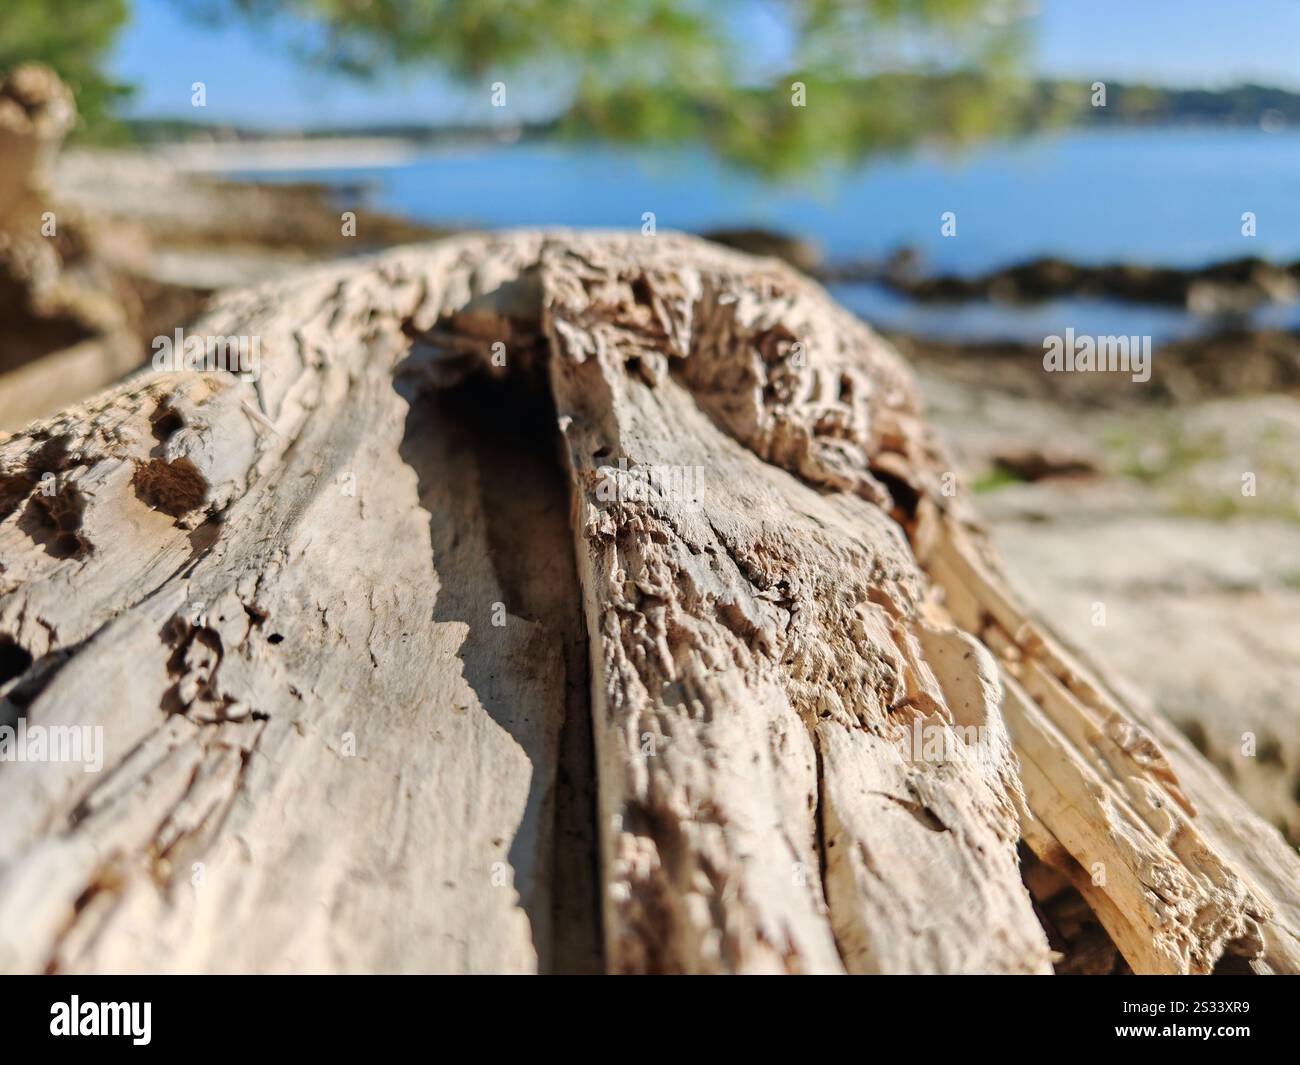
x=760, y=653
x=1107, y=808
x=330, y=621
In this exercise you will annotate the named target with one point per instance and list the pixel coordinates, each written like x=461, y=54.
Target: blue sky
x=252, y=79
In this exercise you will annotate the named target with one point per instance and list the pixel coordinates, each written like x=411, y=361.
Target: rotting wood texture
x=353, y=631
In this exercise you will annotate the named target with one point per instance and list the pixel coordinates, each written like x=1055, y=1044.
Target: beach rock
x=1232, y=287
x=1027, y=463
x=1040, y=279
x=1239, y=286
x=799, y=252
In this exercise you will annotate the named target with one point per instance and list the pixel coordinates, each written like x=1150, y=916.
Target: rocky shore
x=1233, y=286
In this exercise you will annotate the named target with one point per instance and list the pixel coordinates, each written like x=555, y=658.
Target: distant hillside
x=1051, y=104
x=173, y=130
x=1241, y=105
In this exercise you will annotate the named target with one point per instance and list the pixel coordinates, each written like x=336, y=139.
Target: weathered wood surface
x=1108, y=809
x=344, y=626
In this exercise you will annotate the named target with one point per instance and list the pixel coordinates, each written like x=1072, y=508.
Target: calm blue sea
x=1165, y=197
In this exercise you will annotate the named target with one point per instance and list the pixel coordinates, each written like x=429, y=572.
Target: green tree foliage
x=875, y=73
x=845, y=77
x=73, y=37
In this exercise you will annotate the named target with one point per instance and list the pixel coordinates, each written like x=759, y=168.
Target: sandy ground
x=185, y=210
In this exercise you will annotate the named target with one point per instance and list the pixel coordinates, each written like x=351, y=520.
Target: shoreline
x=210, y=230
x=217, y=155
x=332, y=153
x=1223, y=284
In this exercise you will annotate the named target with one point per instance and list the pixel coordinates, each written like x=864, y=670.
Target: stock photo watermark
x=61, y=744
x=650, y=483
x=239, y=355
x=78, y=1018
x=1074, y=353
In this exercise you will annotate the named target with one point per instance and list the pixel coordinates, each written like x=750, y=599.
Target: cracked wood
x=278, y=600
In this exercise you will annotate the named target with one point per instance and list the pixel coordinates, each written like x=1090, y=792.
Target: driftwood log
x=568, y=602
